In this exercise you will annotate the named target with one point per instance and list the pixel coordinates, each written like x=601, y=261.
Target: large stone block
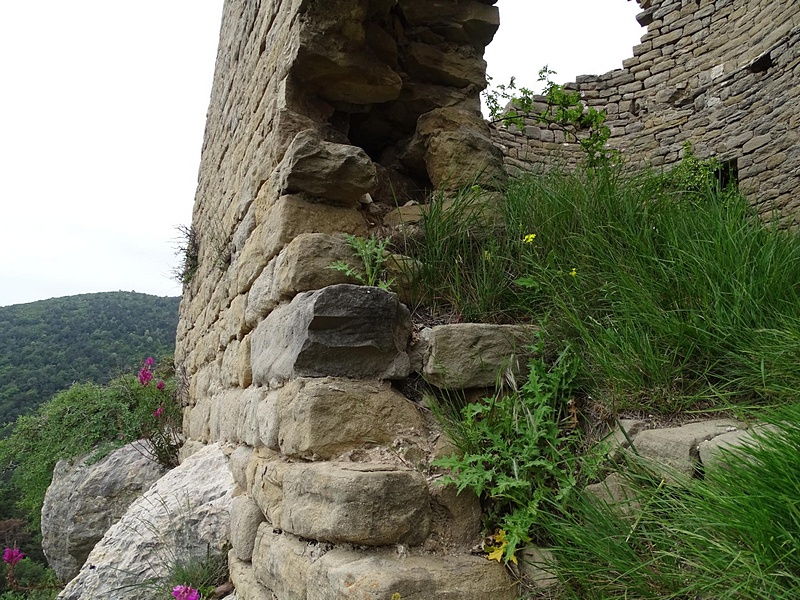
x=358, y=503
x=466, y=355
x=342, y=330
x=320, y=418
x=84, y=500
x=348, y=575
x=281, y=562
x=246, y=516
x=339, y=173
x=243, y=577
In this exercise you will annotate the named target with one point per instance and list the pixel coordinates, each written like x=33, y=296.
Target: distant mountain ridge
x=48, y=345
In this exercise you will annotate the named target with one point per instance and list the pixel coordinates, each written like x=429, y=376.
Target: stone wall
x=324, y=116
x=721, y=74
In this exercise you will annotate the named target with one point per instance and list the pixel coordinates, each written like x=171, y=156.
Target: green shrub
x=86, y=418
x=516, y=451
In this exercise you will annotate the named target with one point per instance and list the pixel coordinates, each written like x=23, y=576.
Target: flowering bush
x=160, y=427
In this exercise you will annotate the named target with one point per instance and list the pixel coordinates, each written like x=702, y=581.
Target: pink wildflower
x=145, y=376
x=12, y=556
x=160, y=386
x=158, y=412
x=184, y=592
x=149, y=362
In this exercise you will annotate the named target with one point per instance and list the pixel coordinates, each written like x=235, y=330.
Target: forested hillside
x=47, y=346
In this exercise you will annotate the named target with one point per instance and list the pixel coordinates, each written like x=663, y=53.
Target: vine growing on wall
x=585, y=125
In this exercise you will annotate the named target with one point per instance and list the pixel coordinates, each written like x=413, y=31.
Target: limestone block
x=472, y=21
x=615, y=491
x=84, y=500
x=224, y=416
x=538, y=565
x=267, y=419
x=342, y=330
x=676, y=447
x=338, y=173
x=457, y=517
x=304, y=264
x=242, y=576
x=337, y=57
x=239, y=460
x=360, y=503
x=454, y=148
x=248, y=430
x=281, y=562
x=320, y=418
x=711, y=452
x=266, y=485
x=348, y=575
x=446, y=64
x=197, y=420
x=465, y=355
x=246, y=516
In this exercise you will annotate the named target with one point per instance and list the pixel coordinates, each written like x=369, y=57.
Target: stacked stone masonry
x=719, y=74
x=323, y=117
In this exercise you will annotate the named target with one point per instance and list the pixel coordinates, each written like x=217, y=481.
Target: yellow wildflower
x=528, y=239
x=574, y=272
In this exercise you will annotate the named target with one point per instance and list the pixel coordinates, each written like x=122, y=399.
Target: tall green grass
x=672, y=291
x=733, y=535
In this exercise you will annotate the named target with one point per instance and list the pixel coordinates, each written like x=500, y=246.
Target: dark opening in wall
x=762, y=64
x=727, y=173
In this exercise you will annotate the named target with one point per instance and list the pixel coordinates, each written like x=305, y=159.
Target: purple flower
x=184, y=592
x=12, y=556
x=149, y=362
x=158, y=412
x=145, y=376
x=160, y=386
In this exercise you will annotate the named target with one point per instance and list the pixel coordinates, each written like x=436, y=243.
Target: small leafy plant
x=564, y=110
x=517, y=452
x=372, y=253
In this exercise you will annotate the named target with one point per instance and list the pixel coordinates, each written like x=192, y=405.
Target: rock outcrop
x=184, y=514
x=85, y=499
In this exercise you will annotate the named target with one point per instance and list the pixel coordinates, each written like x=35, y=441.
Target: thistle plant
x=372, y=253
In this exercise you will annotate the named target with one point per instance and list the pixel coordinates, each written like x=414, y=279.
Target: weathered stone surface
x=456, y=518
x=320, y=418
x=183, y=513
x=342, y=330
x=281, y=562
x=472, y=21
x=246, y=516
x=615, y=491
x=84, y=500
x=347, y=575
x=335, y=172
x=711, y=452
x=445, y=64
x=676, y=448
x=243, y=577
x=466, y=355
x=359, y=503
x=538, y=566
x=453, y=146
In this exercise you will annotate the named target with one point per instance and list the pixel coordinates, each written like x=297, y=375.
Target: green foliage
x=85, y=418
x=47, y=346
x=201, y=573
x=673, y=295
x=565, y=111
x=31, y=581
x=733, y=534
x=372, y=254
x=516, y=451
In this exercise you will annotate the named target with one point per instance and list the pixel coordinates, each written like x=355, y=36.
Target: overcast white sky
x=102, y=112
